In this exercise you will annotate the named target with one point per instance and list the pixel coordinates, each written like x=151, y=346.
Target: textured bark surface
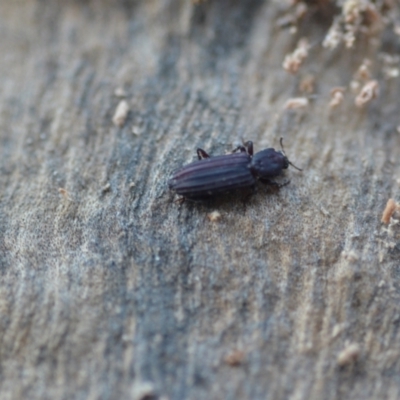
x=111, y=290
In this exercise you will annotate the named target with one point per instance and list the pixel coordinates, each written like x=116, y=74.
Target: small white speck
x=136, y=130
x=214, y=216
x=119, y=92
x=121, y=113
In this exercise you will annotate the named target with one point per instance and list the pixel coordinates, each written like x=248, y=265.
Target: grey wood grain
x=111, y=290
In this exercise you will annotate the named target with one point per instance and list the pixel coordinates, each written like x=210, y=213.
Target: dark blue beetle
x=212, y=176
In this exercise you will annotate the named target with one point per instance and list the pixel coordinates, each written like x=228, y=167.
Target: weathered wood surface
x=109, y=289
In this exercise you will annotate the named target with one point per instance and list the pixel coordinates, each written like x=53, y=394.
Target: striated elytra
x=213, y=176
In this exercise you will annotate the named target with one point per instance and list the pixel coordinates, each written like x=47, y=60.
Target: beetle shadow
x=231, y=201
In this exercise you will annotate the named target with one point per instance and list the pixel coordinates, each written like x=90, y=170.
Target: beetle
x=213, y=176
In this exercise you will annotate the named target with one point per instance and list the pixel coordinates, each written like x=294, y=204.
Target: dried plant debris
x=390, y=65
x=368, y=92
x=337, y=96
x=348, y=22
x=362, y=85
x=294, y=60
x=293, y=16
x=296, y=103
x=214, y=216
x=390, y=239
x=349, y=354
x=350, y=19
x=121, y=113
x=363, y=72
x=334, y=35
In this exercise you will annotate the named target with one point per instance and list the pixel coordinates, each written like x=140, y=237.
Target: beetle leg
x=274, y=184
x=249, y=147
x=245, y=148
x=241, y=148
x=202, y=154
x=252, y=191
x=180, y=200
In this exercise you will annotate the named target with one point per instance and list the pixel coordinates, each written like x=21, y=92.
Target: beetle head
x=269, y=163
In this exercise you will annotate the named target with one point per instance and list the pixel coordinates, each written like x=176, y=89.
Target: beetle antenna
x=298, y=169
x=283, y=151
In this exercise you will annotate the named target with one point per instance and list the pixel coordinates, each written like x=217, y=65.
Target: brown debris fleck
x=235, y=358
x=65, y=194
x=390, y=208
x=63, y=191
x=307, y=84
